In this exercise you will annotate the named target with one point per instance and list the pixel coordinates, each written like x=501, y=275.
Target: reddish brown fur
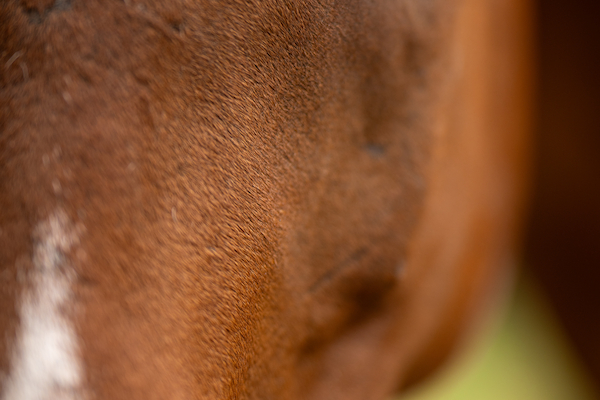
x=295, y=200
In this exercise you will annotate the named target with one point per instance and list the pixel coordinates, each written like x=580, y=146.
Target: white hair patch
x=45, y=364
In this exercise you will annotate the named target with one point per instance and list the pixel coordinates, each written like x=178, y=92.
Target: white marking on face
x=45, y=363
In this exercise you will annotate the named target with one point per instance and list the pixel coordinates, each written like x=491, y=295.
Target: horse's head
x=217, y=200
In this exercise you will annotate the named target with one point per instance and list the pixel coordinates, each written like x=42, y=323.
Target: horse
x=254, y=200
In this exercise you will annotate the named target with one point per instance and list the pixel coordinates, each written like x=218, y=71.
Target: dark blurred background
x=563, y=238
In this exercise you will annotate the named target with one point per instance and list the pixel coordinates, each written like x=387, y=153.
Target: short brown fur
x=281, y=200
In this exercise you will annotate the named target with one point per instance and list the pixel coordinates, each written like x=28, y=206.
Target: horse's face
x=209, y=200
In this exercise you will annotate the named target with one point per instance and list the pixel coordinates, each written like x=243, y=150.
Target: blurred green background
x=525, y=358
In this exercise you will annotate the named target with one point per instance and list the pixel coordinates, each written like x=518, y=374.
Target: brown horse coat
x=252, y=200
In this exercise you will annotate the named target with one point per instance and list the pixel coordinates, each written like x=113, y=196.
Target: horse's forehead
x=235, y=201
